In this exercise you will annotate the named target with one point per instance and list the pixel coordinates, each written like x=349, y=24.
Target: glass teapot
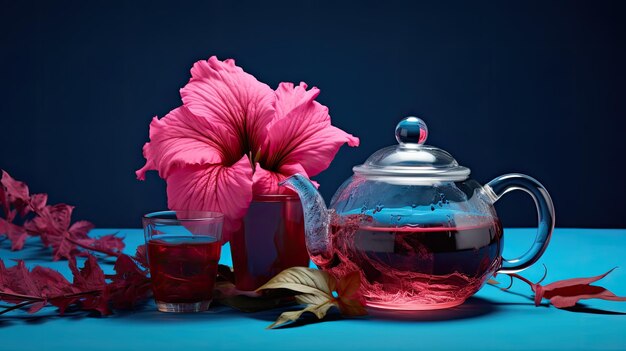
x=422, y=234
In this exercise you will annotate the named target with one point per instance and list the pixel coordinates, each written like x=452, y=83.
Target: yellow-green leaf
x=315, y=290
x=303, y=280
x=292, y=316
x=493, y=282
x=313, y=299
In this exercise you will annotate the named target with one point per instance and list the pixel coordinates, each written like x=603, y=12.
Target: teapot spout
x=316, y=219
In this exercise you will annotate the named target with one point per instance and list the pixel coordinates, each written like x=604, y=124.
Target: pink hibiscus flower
x=234, y=137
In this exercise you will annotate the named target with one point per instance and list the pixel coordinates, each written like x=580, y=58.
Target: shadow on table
x=147, y=313
x=35, y=252
x=43, y=317
x=474, y=307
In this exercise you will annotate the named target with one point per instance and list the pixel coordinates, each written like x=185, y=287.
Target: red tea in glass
x=183, y=249
x=183, y=269
x=270, y=240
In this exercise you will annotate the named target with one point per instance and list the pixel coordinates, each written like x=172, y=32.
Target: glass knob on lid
x=411, y=130
x=411, y=161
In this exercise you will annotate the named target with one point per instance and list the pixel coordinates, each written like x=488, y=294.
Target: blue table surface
x=491, y=320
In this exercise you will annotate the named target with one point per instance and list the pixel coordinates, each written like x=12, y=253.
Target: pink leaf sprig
x=51, y=223
x=91, y=289
x=567, y=293
x=234, y=137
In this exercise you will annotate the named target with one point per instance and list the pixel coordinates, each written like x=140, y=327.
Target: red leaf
x=57, y=290
x=575, y=281
x=38, y=202
x=566, y=293
x=584, y=292
x=55, y=218
x=91, y=281
x=4, y=203
x=34, y=308
x=350, y=301
x=53, y=226
x=62, y=247
x=51, y=283
x=129, y=285
x=17, y=285
x=17, y=280
x=16, y=193
x=16, y=234
x=109, y=242
x=80, y=229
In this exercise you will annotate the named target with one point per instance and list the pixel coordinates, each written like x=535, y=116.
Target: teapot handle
x=545, y=209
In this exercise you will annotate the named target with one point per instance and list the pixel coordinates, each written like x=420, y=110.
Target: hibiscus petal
x=304, y=135
x=212, y=188
x=224, y=94
x=182, y=138
x=288, y=97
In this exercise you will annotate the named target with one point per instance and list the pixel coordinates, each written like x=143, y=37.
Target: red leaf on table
x=58, y=291
x=64, y=249
x=110, y=243
x=91, y=281
x=566, y=293
x=129, y=285
x=16, y=280
x=16, y=194
x=16, y=234
x=42, y=285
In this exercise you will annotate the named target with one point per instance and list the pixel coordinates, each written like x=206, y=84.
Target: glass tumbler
x=183, y=249
x=270, y=240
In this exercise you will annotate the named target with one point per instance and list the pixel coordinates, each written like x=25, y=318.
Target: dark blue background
x=533, y=87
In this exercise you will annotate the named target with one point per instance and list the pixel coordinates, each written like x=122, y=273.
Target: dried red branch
x=51, y=223
x=567, y=293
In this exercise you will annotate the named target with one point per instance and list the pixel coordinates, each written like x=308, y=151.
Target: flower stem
x=91, y=248
x=514, y=275
x=15, y=307
x=36, y=298
x=20, y=296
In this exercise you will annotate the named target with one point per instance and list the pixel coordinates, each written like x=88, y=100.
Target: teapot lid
x=412, y=159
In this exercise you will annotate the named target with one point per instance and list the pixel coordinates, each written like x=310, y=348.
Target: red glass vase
x=270, y=240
